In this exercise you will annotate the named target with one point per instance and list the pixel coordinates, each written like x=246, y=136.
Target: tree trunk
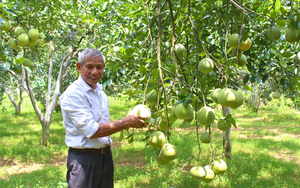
x=46, y=133
x=226, y=136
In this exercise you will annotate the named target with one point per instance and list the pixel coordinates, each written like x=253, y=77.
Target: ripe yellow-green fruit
x=162, y=125
x=276, y=95
x=219, y=166
x=129, y=91
x=273, y=33
x=234, y=53
x=23, y=40
x=159, y=160
x=269, y=98
x=13, y=43
x=33, y=34
x=222, y=125
x=171, y=114
x=184, y=112
x=206, y=115
x=242, y=61
x=5, y=26
x=157, y=139
x=233, y=40
x=180, y=50
x=27, y=63
x=18, y=31
x=239, y=99
x=206, y=65
x=33, y=42
x=210, y=175
x=214, y=95
x=226, y=97
x=169, y=152
x=245, y=45
x=291, y=36
x=204, y=138
x=142, y=110
x=198, y=172
x=190, y=119
x=151, y=97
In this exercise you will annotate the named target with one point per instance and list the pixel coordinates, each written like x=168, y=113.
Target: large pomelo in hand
x=171, y=114
x=141, y=110
x=180, y=50
x=206, y=65
x=210, y=175
x=159, y=160
x=198, y=172
x=184, y=112
x=157, y=139
x=219, y=166
x=23, y=40
x=169, y=152
x=226, y=97
x=206, y=115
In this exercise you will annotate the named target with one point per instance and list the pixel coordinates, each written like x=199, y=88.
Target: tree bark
x=226, y=136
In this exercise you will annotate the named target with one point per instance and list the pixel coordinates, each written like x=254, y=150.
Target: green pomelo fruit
x=23, y=40
x=128, y=91
x=5, y=26
x=242, y=61
x=171, y=114
x=206, y=65
x=151, y=97
x=234, y=53
x=273, y=33
x=183, y=112
x=159, y=160
x=162, y=125
x=142, y=110
x=180, y=50
x=13, y=43
x=206, y=115
x=269, y=98
x=27, y=63
x=33, y=34
x=33, y=42
x=233, y=40
x=226, y=97
x=214, y=95
x=169, y=152
x=239, y=99
x=210, y=175
x=18, y=31
x=219, y=166
x=204, y=138
x=190, y=119
x=276, y=95
x=222, y=125
x=198, y=172
x=245, y=45
x=291, y=36
x=157, y=139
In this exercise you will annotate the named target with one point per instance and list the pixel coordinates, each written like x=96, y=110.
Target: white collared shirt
x=83, y=108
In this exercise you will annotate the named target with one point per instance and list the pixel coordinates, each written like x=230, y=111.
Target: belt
x=96, y=151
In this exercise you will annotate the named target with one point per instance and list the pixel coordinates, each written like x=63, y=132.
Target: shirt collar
x=86, y=87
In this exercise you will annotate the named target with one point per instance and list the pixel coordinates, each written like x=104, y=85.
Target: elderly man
x=86, y=119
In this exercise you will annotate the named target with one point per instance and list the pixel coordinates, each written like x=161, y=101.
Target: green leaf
x=248, y=88
x=20, y=55
x=287, y=54
x=280, y=22
x=232, y=121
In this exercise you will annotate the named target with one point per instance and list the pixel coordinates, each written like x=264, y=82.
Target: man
x=86, y=119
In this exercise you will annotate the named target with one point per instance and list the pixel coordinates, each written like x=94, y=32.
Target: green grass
x=265, y=147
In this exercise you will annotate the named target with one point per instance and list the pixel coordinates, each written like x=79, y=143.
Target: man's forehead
x=94, y=60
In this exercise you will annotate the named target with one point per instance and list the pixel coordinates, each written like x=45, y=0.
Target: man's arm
x=106, y=129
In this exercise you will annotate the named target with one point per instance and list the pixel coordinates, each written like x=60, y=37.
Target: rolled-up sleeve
x=80, y=114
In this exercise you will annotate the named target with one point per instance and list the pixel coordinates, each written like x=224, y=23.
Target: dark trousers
x=89, y=170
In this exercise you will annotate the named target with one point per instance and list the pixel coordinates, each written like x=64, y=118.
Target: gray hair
x=89, y=53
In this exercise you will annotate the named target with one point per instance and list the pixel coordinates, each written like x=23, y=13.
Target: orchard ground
x=265, y=147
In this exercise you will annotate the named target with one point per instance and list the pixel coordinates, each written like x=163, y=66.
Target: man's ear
x=78, y=65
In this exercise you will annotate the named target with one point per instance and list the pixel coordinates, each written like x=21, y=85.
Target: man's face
x=91, y=70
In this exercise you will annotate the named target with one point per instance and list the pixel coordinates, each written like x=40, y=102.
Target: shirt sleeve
x=80, y=113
